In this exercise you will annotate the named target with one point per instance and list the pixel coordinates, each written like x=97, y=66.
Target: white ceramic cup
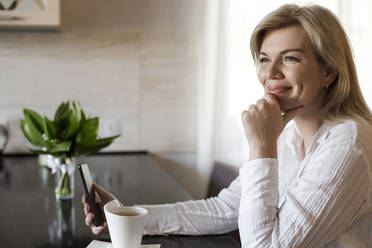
x=125, y=231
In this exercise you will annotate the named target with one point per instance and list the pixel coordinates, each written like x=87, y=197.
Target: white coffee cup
x=125, y=224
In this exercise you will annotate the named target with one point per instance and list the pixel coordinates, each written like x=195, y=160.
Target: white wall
x=133, y=63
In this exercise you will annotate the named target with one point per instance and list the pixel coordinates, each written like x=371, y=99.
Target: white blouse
x=319, y=199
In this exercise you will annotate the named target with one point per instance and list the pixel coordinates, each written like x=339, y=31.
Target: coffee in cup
x=125, y=224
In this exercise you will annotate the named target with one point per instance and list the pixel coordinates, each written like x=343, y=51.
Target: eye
x=263, y=60
x=290, y=59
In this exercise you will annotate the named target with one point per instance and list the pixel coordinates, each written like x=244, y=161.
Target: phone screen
x=87, y=183
x=87, y=177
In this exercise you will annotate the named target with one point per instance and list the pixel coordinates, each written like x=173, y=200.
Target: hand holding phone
x=87, y=184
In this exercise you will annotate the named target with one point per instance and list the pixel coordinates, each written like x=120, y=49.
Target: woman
x=307, y=185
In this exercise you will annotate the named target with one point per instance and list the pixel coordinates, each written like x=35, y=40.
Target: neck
x=308, y=126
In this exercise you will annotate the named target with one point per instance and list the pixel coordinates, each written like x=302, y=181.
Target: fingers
x=99, y=229
x=265, y=101
x=89, y=219
x=103, y=194
x=85, y=204
x=98, y=189
x=84, y=199
x=271, y=99
x=261, y=101
x=246, y=113
x=86, y=209
x=267, y=98
x=99, y=192
x=264, y=104
x=252, y=108
x=95, y=229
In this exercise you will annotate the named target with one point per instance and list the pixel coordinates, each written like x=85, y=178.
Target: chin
x=286, y=106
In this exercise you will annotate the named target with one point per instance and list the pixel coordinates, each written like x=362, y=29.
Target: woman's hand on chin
x=263, y=122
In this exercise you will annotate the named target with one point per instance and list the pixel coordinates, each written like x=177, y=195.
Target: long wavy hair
x=343, y=99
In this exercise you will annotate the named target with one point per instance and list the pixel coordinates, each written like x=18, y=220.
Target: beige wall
x=133, y=63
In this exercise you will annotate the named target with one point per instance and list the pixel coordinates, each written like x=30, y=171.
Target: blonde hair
x=344, y=99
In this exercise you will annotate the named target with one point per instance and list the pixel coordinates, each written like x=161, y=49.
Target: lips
x=278, y=89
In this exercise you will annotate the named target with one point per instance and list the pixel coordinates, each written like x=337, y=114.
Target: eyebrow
x=286, y=51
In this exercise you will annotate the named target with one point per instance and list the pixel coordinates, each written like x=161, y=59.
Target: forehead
x=293, y=37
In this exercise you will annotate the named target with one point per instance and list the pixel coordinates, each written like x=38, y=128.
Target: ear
x=329, y=76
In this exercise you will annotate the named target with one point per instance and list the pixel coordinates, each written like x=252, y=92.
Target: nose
x=274, y=72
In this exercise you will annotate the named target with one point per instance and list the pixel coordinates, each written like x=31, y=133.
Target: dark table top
x=31, y=217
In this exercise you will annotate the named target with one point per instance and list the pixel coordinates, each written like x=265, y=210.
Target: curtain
x=228, y=81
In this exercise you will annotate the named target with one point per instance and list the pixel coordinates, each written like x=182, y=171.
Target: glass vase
x=65, y=178
x=62, y=225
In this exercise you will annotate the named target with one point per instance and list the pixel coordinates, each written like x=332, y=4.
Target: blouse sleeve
x=321, y=203
x=211, y=216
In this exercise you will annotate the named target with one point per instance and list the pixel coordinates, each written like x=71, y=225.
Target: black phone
x=87, y=184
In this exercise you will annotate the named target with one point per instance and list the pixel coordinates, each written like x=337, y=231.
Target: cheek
x=308, y=91
x=261, y=76
x=294, y=75
x=298, y=79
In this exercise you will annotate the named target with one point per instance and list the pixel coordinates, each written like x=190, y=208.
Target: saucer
x=102, y=244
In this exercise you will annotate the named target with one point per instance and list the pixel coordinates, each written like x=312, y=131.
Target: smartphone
x=87, y=184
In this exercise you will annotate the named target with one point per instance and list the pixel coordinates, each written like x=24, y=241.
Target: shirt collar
x=295, y=140
x=323, y=133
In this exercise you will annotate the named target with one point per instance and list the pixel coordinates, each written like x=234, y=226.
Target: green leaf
x=57, y=154
x=58, y=116
x=64, y=124
x=73, y=150
x=102, y=143
x=73, y=125
x=70, y=134
x=83, y=116
x=35, y=118
x=61, y=110
x=61, y=147
x=88, y=133
x=77, y=111
x=38, y=151
x=34, y=134
x=27, y=132
x=49, y=129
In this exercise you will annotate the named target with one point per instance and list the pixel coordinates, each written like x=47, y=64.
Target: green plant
x=70, y=134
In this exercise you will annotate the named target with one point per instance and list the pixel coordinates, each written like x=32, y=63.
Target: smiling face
x=289, y=70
